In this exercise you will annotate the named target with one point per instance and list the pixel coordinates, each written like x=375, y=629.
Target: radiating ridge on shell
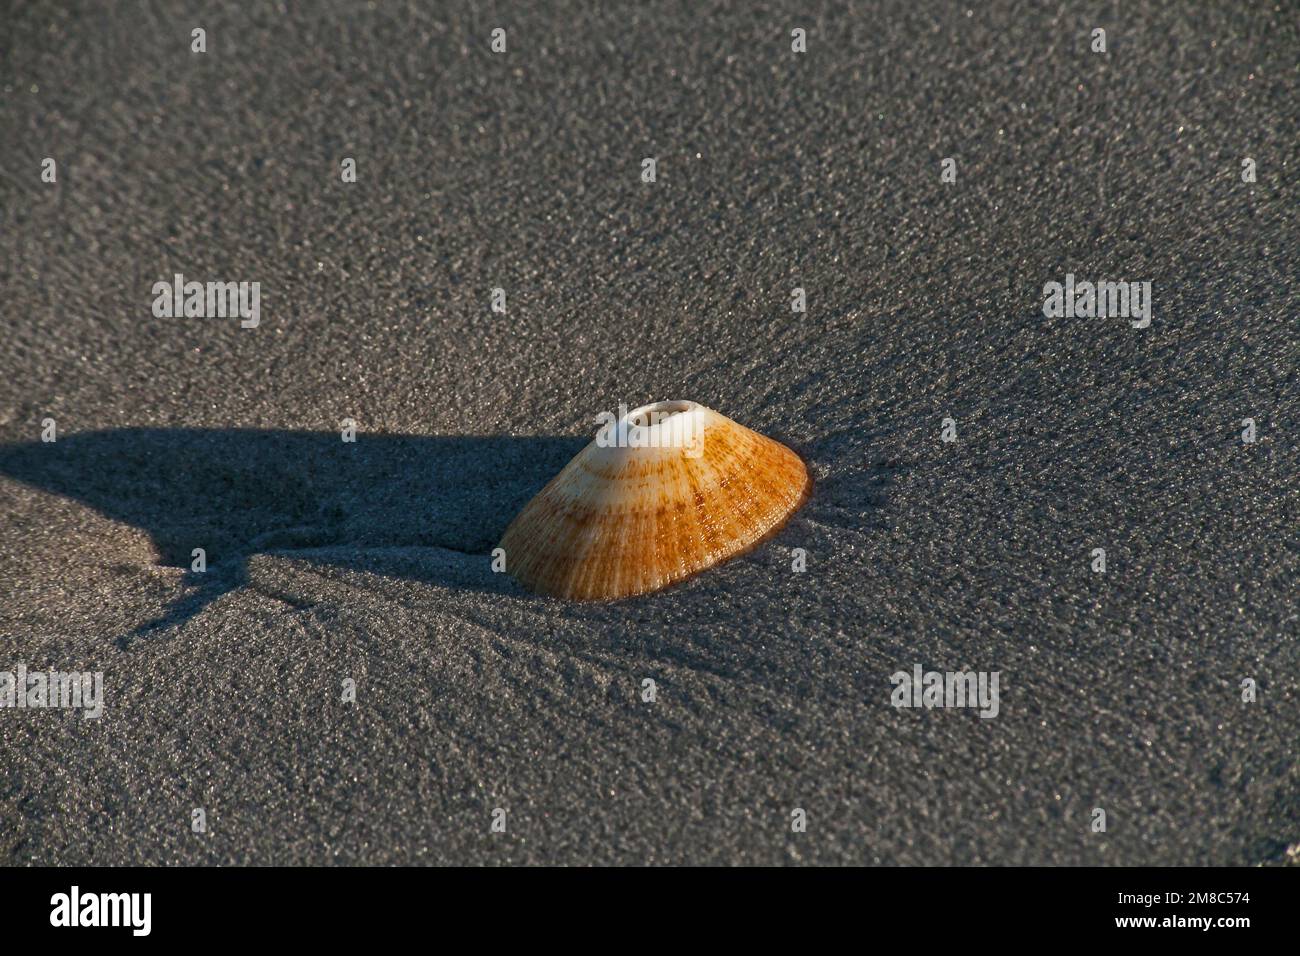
x=664, y=492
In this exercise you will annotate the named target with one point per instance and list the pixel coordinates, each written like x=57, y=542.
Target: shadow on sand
x=236, y=493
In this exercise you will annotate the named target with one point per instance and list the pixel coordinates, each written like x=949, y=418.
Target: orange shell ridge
x=663, y=493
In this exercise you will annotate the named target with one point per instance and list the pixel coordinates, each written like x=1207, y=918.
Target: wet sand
x=369, y=561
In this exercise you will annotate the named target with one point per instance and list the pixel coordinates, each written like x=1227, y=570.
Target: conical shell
x=664, y=492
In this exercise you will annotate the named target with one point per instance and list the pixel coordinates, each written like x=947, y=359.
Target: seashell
x=662, y=493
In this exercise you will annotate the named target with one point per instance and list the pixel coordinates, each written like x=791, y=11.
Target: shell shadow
x=237, y=492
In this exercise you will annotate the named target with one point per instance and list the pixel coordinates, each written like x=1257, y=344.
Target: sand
x=369, y=561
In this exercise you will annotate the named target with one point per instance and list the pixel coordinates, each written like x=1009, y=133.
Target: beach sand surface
x=368, y=561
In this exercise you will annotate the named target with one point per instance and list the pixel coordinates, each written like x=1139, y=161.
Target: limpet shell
x=663, y=493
